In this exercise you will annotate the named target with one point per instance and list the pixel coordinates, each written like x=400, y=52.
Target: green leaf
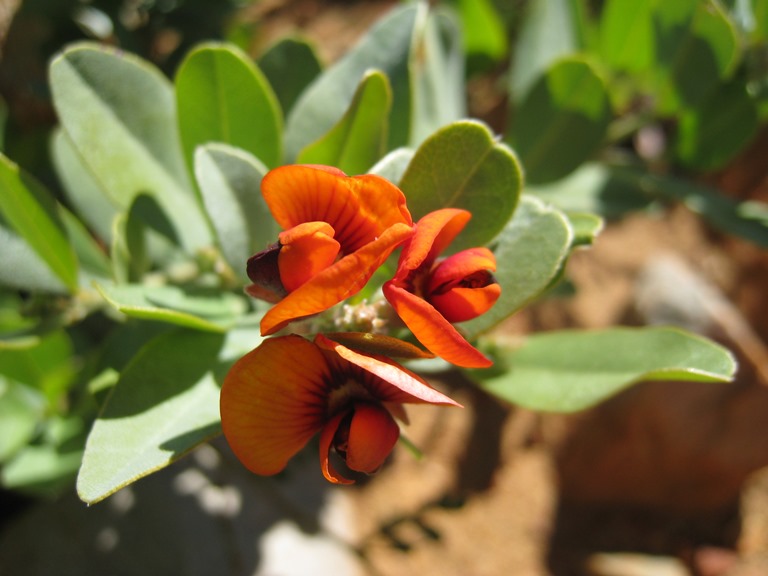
x=82, y=190
x=548, y=34
x=586, y=227
x=393, y=165
x=33, y=213
x=626, y=35
x=463, y=166
x=22, y=268
x=530, y=252
x=358, y=140
x=386, y=47
x=697, y=47
x=43, y=470
x=292, y=54
x=21, y=409
x=437, y=74
x=165, y=403
x=484, y=33
x=119, y=113
x=595, y=188
x=94, y=263
x=230, y=182
x=223, y=97
x=562, y=121
x=210, y=311
x=713, y=133
x=573, y=370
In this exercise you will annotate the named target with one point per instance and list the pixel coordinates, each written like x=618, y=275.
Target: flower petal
x=460, y=304
x=433, y=234
x=305, y=250
x=343, y=279
x=271, y=405
x=385, y=379
x=326, y=441
x=461, y=265
x=359, y=208
x=432, y=330
x=372, y=435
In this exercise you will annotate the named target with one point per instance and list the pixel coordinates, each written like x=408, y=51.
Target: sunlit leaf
x=33, y=213
x=165, y=403
x=463, y=166
x=212, y=311
x=626, y=34
x=573, y=370
x=484, y=32
x=21, y=408
x=437, y=75
x=83, y=192
x=358, y=140
x=230, y=181
x=127, y=138
x=22, y=268
x=223, y=97
x=530, y=252
x=562, y=121
x=393, y=165
x=385, y=47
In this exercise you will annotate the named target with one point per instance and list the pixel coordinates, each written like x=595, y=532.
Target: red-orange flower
x=430, y=294
x=337, y=231
x=279, y=395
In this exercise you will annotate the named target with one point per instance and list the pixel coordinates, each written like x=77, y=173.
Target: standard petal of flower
x=271, y=405
x=433, y=234
x=387, y=380
x=326, y=442
x=359, y=208
x=343, y=279
x=372, y=435
x=305, y=250
x=432, y=330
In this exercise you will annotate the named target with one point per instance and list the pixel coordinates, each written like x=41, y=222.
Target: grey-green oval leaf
x=223, y=97
x=230, y=182
x=530, y=252
x=120, y=115
x=207, y=311
x=463, y=166
x=572, y=370
x=164, y=404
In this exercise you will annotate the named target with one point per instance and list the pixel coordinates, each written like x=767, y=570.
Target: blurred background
x=663, y=479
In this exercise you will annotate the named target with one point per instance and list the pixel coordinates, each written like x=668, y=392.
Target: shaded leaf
x=22, y=268
x=484, y=33
x=573, y=370
x=21, y=408
x=359, y=138
x=393, y=165
x=463, y=166
x=223, y=97
x=562, y=121
x=296, y=55
x=626, y=35
x=165, y=403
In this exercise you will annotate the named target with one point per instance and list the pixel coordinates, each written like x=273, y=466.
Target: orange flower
x=429, y=294
x=337, y=231
x=279, y=395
